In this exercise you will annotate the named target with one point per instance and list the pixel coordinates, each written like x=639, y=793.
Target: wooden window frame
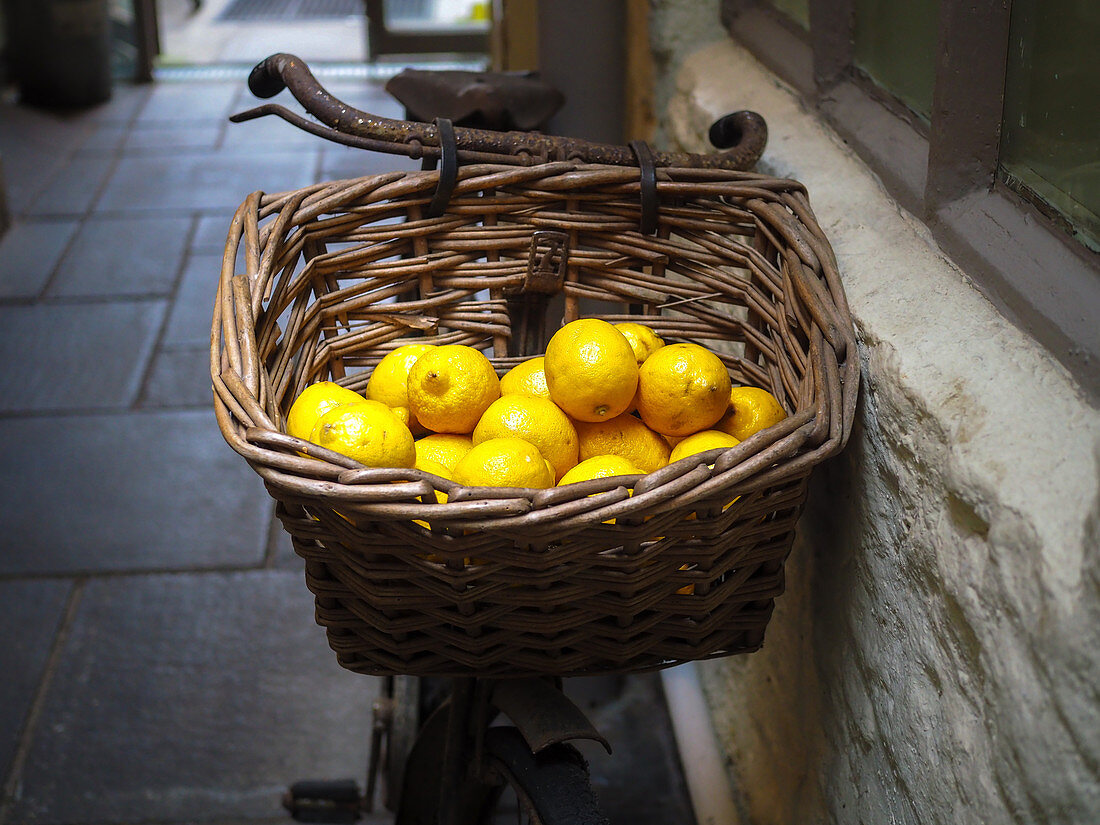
x=946, y=172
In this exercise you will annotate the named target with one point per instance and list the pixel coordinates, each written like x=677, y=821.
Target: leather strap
x=448, y=170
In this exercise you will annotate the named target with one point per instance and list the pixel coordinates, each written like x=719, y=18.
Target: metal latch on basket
x=546, y=262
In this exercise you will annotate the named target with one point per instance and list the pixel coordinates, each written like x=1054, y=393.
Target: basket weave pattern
x=619, y=574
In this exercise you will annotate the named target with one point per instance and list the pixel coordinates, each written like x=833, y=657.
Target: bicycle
x=507, y=591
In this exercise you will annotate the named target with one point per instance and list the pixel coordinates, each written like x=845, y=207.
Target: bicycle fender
x=543, y=714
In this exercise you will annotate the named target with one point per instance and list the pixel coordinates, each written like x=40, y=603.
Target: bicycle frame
x=538, y=708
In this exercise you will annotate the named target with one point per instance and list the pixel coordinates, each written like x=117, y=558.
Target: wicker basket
x=622, y=574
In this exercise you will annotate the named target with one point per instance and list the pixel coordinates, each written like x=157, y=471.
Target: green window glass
x=896, y=46
x=1050, y=137
x=796, y=10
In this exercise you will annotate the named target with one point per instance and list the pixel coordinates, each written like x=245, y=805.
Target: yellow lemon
x=367, y=431
x=643, y=340
x=590, y=370
x=443, y=448
x=600, y=466
x=538, y=421
x=625, y=436
x=701, y=442
x=504, y=462
x=527, y=378
x=313, y=402
x=436, y=469
x=682, y=389
x=450, y=387
x=751, y=409
x=389, y=381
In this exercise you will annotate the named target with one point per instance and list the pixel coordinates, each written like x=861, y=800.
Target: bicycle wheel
x=551, y=787
x=413, y=698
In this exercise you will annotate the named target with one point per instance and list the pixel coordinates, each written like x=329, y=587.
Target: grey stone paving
x=159, y=656
x=185, y=693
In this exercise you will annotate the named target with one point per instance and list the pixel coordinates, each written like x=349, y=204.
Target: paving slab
x=211, y=232
x=193, y=310
x=30, y=615
x=35, y=146
x=192, y=101
x=127, y=491
x=199, y=181
x=75, y=187
x=123, y=256
x=162, y=136
x=29, y=251
x=75, y=356
x=180, y=377
x=191, y=698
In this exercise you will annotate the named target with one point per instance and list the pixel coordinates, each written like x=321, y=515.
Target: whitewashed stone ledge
x=936, y=658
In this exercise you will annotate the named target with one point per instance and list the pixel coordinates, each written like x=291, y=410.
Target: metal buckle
x=546, y=262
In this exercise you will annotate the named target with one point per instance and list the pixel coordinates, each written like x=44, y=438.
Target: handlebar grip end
x=265, y=79
x=737, y=128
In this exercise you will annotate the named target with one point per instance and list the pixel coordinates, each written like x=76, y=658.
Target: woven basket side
x=627, y=574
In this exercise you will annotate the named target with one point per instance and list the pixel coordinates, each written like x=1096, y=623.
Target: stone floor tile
x=104, y=139
x=127, y=491
x=192, y=101
x=193, y=310
x=123, y=256
x=192, y=698
x=340, y=162
x=74, y=189
x=212, y=231
x=164, y=136
x=180, y=377
x=30, y=614
x=268, y=132
x=127, y=99
x=35, y=144
x=29, y=251
x=75, y=355
x=202, y=181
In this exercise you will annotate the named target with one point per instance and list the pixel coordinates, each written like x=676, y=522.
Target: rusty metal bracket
x=546, y=262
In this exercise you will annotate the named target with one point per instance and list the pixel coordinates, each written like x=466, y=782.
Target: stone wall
x=936, y=657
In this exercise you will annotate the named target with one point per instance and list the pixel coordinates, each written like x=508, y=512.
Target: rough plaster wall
x=676, y=29
x=936, y=658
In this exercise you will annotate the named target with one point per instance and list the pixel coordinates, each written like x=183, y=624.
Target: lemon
x=625, y=436
x=450, y=387
x=504, y=462
x=313, y=402
x=443, y=448
x=527, y=378
x=591, y=371
x=538, y=421
x=751, y=409
x=643, y=340
x=682, y=389
x=389, y=381
x=368, y=432
x=701, y=442
x=600, y=466
x=436, y=469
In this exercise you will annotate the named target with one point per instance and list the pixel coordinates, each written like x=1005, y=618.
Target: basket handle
x=741, y=136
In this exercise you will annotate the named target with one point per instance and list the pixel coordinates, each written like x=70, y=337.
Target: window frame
x=946, y=172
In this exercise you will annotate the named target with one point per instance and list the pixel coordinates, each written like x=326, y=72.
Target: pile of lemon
x=604, y=400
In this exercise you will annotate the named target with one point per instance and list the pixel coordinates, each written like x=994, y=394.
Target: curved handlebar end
x=265, y=80
x=744, y=129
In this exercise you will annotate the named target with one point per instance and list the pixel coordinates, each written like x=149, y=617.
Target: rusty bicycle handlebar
x=739, y=136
